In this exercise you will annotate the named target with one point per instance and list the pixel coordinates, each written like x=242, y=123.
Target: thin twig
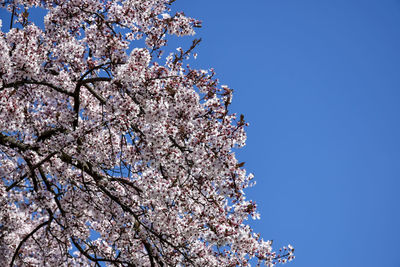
x=26, y=238
x=12, y=17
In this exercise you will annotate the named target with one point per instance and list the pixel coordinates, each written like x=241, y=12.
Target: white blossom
x=108, y=155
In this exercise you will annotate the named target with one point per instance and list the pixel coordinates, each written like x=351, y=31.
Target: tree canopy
x=115, y=153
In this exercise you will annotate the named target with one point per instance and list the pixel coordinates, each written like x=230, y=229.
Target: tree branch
x=48, y=157
x=11, y=142
x=95, y=94
x=95, y=259
x=27, y=237
x=23, y=82
x=12, y=17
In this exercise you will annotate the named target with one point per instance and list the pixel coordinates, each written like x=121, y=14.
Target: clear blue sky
x=319, y=82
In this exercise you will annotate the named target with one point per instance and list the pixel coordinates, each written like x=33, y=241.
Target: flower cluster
x=109, y=156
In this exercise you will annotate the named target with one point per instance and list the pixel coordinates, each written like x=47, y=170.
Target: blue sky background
x=319, y=83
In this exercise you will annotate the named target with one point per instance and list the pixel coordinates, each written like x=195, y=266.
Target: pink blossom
x=97, y=138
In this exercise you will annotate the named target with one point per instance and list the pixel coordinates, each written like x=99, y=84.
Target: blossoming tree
x=117, y=155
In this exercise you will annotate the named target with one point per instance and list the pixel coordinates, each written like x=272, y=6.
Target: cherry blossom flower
x=112, y=155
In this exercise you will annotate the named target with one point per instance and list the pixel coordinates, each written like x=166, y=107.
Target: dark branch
x=11, y=142
x=27, y=237
x=95, y=259
x=77, y=92
x=95, y=79
x=23, y=82
x=33, y=167
x=49, y=133
x=12, y=17
x=95, y=94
